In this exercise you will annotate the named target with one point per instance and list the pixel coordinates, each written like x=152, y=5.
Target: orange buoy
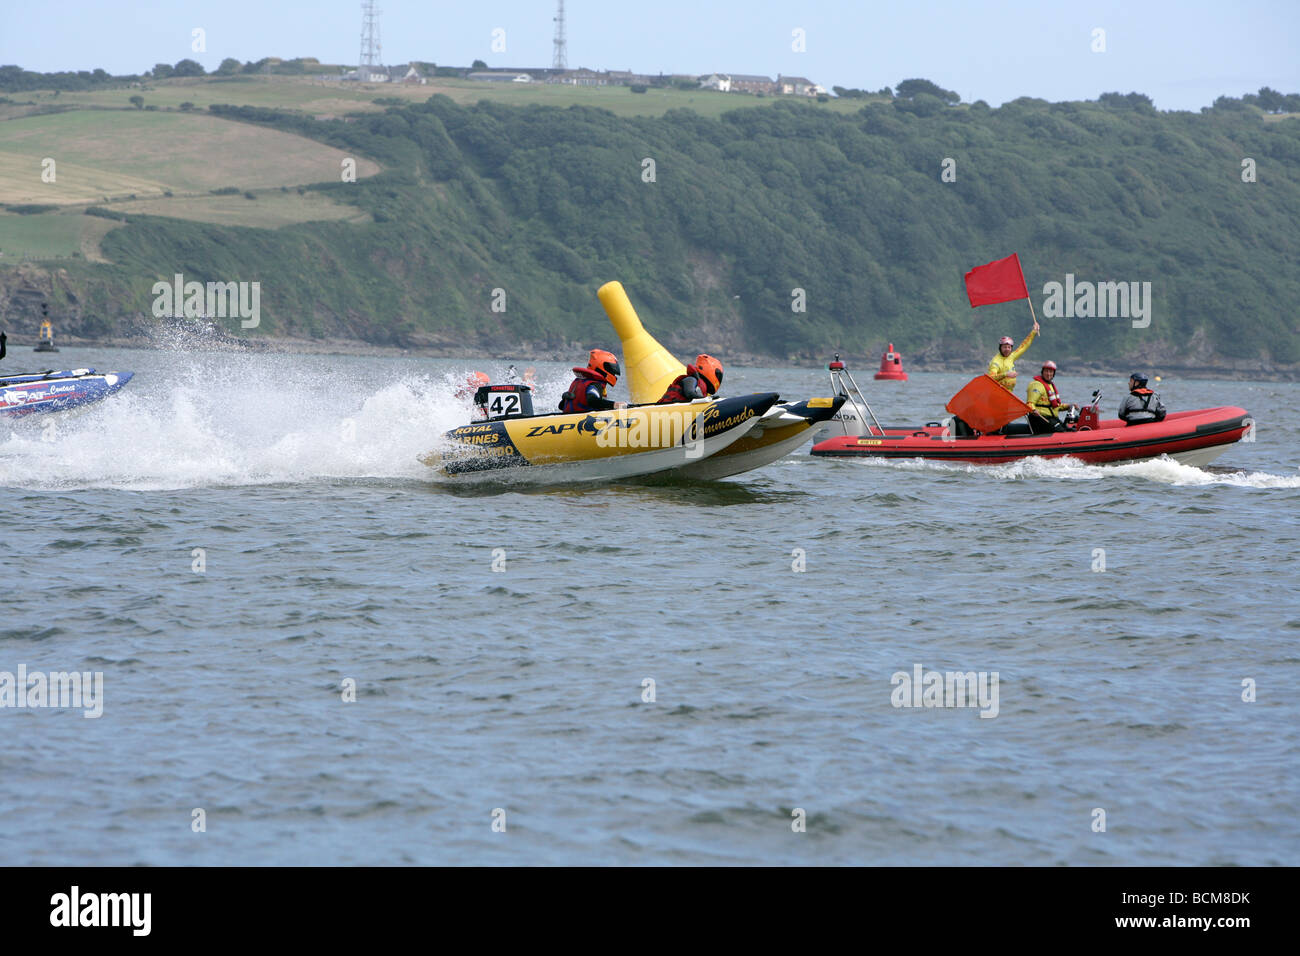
x=891, y=367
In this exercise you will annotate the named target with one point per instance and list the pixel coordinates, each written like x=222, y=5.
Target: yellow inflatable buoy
x=649, y=367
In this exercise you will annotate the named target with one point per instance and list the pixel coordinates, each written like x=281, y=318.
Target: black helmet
x=1139, y=378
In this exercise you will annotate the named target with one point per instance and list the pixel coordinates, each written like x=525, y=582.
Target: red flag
x=985, y=405
x=999, y=281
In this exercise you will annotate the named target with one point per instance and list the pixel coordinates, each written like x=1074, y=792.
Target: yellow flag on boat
x=648, y=366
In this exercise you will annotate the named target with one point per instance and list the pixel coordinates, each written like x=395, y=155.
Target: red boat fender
x=891, y=367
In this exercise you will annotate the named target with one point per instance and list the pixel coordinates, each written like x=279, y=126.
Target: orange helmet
x=605, y=365
x=473, y=381
x=709, y=369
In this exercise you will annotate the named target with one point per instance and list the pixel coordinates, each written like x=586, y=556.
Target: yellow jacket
x=1039, y=398
x=1004, y=369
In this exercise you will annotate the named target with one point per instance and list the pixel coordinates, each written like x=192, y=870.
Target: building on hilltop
x=500, y=76
x=386, y=74
x=627, y=78
x=405, y=74
x=747, y=83
x=797, y=86
x=716, y=81
x=582, y=77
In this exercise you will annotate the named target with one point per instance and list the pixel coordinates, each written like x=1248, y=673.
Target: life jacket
x=1146, y=395
x=575, y=399
x=1053, y=398
x=676, y=393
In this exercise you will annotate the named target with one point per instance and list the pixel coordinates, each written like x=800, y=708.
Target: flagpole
x=1028, y=297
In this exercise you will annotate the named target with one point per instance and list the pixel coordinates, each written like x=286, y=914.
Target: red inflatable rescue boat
x=983, y=407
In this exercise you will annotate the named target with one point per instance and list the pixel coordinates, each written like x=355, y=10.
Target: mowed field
x=333, y=98
x=102, y=155
x=131, y=159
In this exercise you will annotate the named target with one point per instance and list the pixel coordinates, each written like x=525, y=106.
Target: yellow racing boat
x=705, y=439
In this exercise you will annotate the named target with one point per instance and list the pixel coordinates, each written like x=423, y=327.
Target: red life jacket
x=676, y=393
x=575, y=399
x=1053, y=396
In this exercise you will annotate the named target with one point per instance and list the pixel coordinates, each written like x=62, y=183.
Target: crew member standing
x=1002, y=367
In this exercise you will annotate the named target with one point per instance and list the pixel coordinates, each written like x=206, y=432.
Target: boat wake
x=222, y=420
x=1162, y=470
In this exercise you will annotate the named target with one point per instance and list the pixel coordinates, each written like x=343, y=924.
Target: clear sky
x=1181, y=53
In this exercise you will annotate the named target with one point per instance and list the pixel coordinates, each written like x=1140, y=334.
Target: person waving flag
x=1002, y=281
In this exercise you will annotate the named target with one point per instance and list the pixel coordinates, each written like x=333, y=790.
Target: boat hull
x=597, y=446
x=1192, y=437
x=780, y=430
x=32, y=393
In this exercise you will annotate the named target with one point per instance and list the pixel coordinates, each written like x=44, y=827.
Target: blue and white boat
x=30, y=392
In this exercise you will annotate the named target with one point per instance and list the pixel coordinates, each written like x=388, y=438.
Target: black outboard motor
x=495, y=402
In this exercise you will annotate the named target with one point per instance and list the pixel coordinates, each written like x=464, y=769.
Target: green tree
x=162, y=71
x=188, y=68
x=908, y=89
x=1270, y=100
x=229, y=66
x=137, y=101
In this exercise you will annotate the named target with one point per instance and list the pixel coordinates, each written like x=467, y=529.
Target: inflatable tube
x=1194, y=437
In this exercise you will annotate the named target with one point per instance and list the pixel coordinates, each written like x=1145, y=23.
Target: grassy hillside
x=320, y=97
x=847, y=205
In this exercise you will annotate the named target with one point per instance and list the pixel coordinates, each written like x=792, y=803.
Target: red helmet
x=709, y=369
x=1006, y=340
x=1049, y=364
x=605, y=365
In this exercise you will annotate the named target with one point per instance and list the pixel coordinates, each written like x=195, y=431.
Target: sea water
x=313, y=653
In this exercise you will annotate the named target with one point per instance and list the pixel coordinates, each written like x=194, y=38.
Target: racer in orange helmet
x=473, y=382
x=587, y=391
x=702, y=379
